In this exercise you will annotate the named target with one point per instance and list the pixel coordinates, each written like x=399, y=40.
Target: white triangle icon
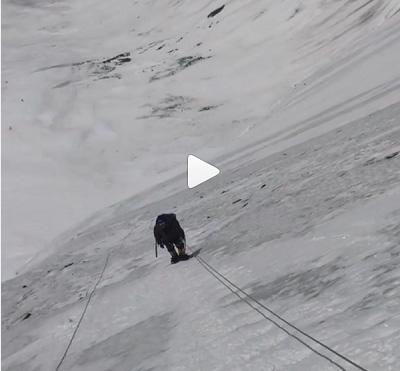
x=199, y=171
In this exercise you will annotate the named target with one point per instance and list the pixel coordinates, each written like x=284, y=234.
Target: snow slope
x=298, y=105
x=319, y=244
x=82, y=130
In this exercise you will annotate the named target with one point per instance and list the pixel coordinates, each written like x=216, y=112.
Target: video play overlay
x=199, y=171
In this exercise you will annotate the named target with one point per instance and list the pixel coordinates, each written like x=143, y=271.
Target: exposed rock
x=216, y=11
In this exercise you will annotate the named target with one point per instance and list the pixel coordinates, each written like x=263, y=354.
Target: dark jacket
x=167, y=230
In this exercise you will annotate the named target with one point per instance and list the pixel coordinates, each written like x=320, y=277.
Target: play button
x=199, y=171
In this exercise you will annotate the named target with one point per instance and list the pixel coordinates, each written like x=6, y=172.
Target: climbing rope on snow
x=83, y=313
x=82, y=316
x=252, y=302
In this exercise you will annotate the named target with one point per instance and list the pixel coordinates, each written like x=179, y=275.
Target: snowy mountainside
x=313, y=231
x=297, y=102
x=104, y=101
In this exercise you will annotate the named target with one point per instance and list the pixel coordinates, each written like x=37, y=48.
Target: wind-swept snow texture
x=102, y=101
x=298, y=104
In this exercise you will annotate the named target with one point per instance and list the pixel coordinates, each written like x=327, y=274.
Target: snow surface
x=297, y=103
x=80, y=134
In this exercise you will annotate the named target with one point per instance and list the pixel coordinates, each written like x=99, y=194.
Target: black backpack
x=166, y=220
x=168, y=228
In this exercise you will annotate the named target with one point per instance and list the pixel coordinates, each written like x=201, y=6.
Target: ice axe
x=155, y=248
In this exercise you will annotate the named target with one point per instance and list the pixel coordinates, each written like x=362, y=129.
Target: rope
x=271, y=320
x=83, y=314
x=248, y=299
x=87, y=305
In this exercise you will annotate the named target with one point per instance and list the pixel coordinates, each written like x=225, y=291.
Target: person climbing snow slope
x=168, y=233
